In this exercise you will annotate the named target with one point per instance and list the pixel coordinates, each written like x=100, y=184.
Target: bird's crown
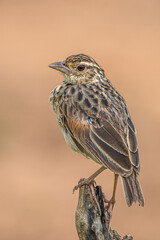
x=79, y=58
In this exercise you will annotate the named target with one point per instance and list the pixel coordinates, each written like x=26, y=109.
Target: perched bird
x=95, y=122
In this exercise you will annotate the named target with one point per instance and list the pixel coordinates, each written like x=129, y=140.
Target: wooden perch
x=91, y=222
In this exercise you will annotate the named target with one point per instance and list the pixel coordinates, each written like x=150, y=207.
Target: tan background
x=37, y=168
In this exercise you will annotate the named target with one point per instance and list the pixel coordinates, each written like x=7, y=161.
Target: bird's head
x=79, y=68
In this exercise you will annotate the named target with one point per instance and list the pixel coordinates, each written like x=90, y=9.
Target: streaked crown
x=80, y=58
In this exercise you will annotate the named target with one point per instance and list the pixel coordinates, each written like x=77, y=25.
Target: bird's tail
x=132, y=189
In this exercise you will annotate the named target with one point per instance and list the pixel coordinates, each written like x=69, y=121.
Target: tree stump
x=91, y=221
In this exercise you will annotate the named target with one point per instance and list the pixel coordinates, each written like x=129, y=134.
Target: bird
x=94, y=120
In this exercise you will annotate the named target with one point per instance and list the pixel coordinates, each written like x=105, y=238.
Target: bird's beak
x=60, y=66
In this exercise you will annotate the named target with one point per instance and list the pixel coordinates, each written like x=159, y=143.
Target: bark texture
x=92, y=221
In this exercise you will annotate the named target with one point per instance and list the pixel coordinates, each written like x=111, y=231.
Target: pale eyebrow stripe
x=90, y=64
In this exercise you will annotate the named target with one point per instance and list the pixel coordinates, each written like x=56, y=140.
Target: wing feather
x=111, y=151
x=109, y=135
x=133, y=147
x=113, y=155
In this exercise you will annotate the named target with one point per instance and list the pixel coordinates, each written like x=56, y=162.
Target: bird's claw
x=91, y=184
x=82, y=182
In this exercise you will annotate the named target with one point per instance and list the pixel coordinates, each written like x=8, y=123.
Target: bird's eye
x=81, y=67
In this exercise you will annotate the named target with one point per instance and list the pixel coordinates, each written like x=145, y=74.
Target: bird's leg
x=112, y=201
x=84, y=181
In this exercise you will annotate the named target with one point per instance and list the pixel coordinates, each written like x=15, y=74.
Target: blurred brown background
x=37, y=168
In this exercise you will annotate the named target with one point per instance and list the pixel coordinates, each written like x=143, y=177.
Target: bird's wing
x=101, y=140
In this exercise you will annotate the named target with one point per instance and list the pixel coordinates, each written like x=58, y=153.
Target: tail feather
x=132, y=189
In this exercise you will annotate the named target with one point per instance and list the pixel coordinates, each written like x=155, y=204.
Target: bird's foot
x=91, y=184
x=82, y=182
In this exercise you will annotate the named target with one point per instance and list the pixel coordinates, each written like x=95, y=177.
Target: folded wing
x=102, y=142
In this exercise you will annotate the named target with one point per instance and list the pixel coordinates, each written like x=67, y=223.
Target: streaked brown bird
x=95, y=122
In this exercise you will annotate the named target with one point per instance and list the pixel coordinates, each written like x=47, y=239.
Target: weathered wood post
x=92, y=222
